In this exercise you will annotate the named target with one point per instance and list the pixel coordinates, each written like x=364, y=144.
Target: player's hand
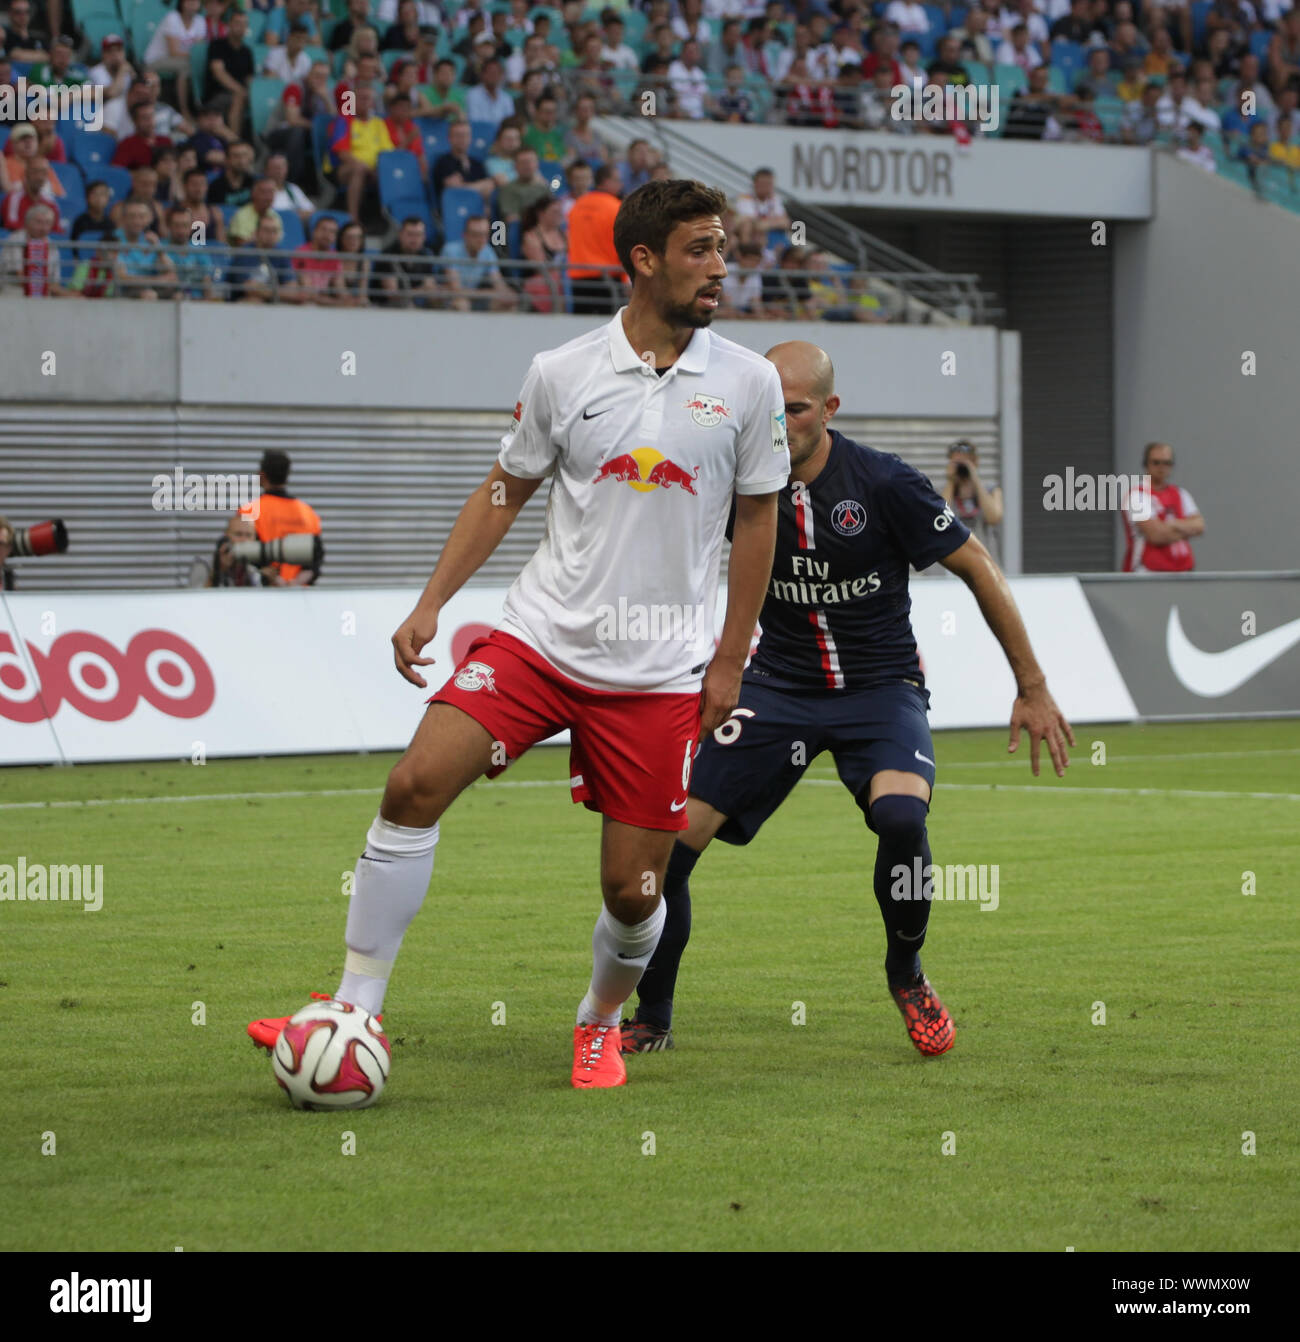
x=719, y=694
x=1036, y=711
x=416, y=634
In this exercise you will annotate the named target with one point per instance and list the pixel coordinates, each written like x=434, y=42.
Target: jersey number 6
x=731, y=729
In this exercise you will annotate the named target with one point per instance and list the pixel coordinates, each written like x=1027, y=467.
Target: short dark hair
x=275, y=465
x=649, y=215
x=413, y=219
x=99, y=181
x=195, y=172
x=174, y=210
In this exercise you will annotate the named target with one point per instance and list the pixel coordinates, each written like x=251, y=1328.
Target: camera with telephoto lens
x=45, y=538
x=301, y=548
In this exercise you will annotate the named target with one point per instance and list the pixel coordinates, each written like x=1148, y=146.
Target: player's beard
x=677, y=315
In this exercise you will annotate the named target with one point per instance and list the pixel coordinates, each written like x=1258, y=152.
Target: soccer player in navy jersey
x=837, y=669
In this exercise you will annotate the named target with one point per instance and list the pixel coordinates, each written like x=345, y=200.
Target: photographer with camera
x=228, y=570
x=6, y=548
x=45, y=538
x=278, y=514
x=972, y=502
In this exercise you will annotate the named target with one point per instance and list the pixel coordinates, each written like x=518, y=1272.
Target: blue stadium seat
x=1069, y=57
x=1056, y=80
x=399, y=176
x=553, y=171
x=1200, y=10
x=118, y=181
x=956, y=16
x=433, y=131
x=73, y=202
x=319, y=140
x=938, y=19
x=481, y=135
x=1259, y=43
x=514, y=238
x=93, y=150
x=294, y=234
x=458, y=204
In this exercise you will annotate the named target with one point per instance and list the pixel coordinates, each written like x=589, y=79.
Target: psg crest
x=848, y=517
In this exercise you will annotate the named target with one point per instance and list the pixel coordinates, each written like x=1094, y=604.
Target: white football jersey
x=621, y=592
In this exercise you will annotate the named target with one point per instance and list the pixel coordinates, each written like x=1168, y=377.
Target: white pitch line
x=1041, y=788
x=1130, y=759
x=1049, y=787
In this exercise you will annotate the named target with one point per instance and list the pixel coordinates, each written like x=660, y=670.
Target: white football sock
x=619, y=955
x=392, y=878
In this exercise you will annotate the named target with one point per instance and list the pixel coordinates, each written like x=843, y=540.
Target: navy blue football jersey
x=837, y=610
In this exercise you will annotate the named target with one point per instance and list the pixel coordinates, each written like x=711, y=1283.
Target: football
x=332, y=1055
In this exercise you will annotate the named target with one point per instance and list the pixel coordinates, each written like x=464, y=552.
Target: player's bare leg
x=650, y=1029
x=896, y=806
x=632, y=865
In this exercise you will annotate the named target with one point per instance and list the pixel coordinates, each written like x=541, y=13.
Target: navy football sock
x=902, y=860
x=655, y=991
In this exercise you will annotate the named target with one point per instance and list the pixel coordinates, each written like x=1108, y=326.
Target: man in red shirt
x=1160, y=520
x=137, y=149
x=403, y=131
x=32, y=189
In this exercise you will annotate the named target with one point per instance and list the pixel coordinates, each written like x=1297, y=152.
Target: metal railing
x=220, y=273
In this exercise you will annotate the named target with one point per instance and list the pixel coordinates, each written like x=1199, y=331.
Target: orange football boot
x=598, y=1057
x=264, y=1033
x=929, y=1026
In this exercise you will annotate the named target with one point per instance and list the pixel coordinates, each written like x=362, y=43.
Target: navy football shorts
x=745, y=769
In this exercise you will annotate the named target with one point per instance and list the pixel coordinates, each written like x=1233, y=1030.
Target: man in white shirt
x=488, y=99
x=763, y=202
x=1020, y=50
x=291, y=60
x=647, y=428
x=614, y=52
x=690, y=25
x=909, y=15
x=689, y=81
x=1196, y=152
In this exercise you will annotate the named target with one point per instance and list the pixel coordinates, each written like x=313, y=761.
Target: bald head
x=808, y=389
x=805, y=368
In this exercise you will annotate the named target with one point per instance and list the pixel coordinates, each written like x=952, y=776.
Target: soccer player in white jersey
x=646, y=427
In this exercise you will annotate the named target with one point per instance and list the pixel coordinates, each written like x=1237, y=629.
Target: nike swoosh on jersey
x=606, y=410
x=925, y=759
x=677, y=805
x=1213, y=674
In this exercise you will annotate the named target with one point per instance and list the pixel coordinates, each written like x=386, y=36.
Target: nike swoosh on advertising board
x=1212, y=674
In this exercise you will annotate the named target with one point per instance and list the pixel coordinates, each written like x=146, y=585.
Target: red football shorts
x=631, y=754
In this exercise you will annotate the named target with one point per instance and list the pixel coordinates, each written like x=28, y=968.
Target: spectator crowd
x=416, y=154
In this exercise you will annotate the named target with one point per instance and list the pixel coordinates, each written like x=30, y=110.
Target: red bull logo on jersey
x=707, y=410
x=645, y=469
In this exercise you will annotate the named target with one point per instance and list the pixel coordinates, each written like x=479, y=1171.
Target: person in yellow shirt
x=357, y=150
x=1284, y=149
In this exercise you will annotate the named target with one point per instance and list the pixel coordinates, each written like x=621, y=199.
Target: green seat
x=198, y=68
x=142, y=19
x=1011, y=79
x=264, y=95
x=1110, y=112
x=977, y=72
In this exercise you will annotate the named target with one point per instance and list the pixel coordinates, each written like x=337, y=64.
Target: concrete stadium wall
x=219, y=354
x=1213, y=278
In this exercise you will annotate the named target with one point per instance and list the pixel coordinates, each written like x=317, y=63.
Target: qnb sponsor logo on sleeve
x=90, y=675
x=1214, y=674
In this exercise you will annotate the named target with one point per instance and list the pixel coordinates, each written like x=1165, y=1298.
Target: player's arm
x=1156, y=531
x=753, y=544
x=1034, y=708
x=488, y=514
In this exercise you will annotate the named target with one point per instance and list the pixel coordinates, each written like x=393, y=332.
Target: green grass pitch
x=1041, y=1129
